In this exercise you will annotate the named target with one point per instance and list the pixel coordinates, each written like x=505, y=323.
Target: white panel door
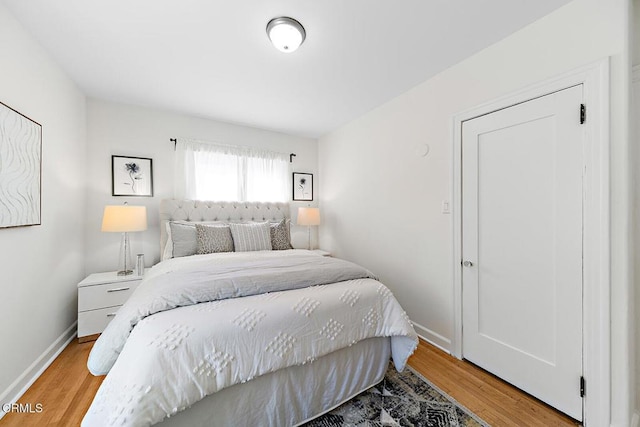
x=522, y=246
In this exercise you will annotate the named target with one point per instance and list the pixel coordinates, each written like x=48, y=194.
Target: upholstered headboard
x=195, y=210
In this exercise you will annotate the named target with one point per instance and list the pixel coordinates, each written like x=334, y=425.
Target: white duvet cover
x=199, y=324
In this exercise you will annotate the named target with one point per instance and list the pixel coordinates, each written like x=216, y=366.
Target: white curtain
x=208, y=171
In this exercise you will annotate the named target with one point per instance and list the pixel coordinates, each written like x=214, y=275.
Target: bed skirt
x=294, y=395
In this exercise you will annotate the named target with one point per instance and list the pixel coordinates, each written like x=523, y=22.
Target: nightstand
x=99, y=297
x=321, y=252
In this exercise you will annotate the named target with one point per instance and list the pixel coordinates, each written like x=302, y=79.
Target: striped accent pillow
x=251, y=237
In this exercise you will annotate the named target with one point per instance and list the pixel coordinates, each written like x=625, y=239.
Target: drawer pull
x=118, y=289
x=111, y=314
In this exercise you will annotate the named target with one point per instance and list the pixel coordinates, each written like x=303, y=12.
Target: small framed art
x=302, y=186
x=131, y=176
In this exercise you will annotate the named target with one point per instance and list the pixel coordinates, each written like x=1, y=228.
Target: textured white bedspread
x=177, y=356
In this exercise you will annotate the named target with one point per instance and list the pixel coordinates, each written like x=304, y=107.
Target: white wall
x=143, y=132
x=378, y=191
x=636, y=228
x=635, y=155
x=41, y=265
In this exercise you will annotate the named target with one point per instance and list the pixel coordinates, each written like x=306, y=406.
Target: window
x=207, y=171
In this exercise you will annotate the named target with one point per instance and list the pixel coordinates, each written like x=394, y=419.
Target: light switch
x=445, y=207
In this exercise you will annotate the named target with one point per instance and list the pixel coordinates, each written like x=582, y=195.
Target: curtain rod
x=175, y=142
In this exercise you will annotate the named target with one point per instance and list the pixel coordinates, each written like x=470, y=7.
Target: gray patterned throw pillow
x=280, y=235
x=213, y=239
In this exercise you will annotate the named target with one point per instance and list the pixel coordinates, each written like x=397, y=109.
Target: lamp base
x=125, y=266
x=125, y=272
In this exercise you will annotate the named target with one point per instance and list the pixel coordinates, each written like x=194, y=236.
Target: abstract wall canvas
x=20, y=169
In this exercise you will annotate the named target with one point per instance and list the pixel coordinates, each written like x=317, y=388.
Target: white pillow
x=168, y=247
x=251, y=237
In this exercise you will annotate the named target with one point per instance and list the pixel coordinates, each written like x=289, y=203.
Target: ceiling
x=212, y=58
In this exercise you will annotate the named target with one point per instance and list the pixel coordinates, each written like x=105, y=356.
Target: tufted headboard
x=196, y=210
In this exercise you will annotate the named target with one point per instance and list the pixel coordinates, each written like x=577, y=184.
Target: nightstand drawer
x=105, y=295
x=94, y=321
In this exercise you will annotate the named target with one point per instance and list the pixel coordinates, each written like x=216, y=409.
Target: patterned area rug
x=401, y=399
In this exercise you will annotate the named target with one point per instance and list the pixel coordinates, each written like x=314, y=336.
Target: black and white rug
x=401, y=399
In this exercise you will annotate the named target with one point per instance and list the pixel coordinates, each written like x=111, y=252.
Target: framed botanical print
x=302, y=186
x=131, y=176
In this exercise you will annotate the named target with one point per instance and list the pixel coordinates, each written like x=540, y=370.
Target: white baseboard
x=434, y=338
x=33, y=372
x=635, y=420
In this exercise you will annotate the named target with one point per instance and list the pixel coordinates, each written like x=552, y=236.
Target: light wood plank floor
x=66, y=390
x=490, y=398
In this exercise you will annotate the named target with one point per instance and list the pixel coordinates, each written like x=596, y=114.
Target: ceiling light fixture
x=286, y=33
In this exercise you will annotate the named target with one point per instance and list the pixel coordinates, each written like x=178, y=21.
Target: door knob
x=467, y=264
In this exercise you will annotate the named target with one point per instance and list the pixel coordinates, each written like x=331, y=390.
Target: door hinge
x=583, y=113
x=582, y=386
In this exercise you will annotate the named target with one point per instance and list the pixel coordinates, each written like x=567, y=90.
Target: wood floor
x=490, y=398
x=66, y=390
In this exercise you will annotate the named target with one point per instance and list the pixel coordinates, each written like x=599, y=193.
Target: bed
x=249, y=337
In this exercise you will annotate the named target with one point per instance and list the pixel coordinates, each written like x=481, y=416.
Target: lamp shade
x=124, y=219
x=308, y=216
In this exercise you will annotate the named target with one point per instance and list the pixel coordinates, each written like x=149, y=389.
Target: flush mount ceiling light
x=286, y=33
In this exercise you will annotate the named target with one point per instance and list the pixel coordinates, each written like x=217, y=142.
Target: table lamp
x=308, y=217
x=124, y=219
